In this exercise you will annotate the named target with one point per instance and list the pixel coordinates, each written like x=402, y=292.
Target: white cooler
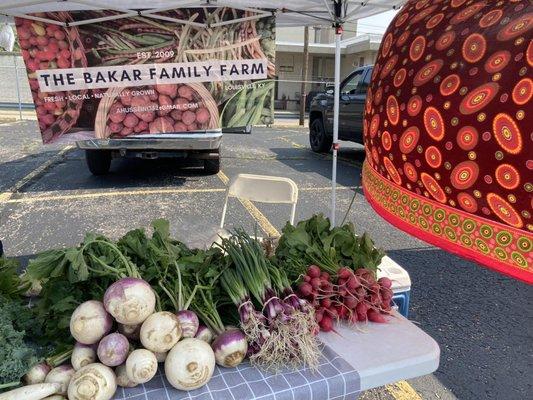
x=401, y=283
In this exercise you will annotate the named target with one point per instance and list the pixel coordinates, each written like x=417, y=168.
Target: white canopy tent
x=288, y=13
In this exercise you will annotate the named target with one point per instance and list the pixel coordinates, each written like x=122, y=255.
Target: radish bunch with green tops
x=354, y=296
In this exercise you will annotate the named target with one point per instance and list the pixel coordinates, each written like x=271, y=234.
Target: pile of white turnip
x=121, y=340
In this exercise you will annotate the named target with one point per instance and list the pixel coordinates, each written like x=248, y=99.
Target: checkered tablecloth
x=334, y=380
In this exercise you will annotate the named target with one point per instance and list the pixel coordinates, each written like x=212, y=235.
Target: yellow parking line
x=263, y=221
x=110, y=194
x=33, y=174
x=402, y=391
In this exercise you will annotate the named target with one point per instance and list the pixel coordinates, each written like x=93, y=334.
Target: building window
x=318, y=31
x=361, y=61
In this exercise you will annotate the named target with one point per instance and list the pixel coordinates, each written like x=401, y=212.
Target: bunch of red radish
x=44, y=47
x=170, y=108
x=354, y=296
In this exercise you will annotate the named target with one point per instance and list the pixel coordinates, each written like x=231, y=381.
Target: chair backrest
x=262, y=189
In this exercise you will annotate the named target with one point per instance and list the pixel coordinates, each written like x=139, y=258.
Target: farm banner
x=139, y=76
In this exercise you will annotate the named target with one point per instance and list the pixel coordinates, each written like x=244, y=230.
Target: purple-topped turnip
x=130, y=300
x=90, y=322
x=205, y=334
x=190, y=364
x=189, y=323
x=160, y=331
x=82, y=355
x=130, y=331
x=230, y=348
x=113, y=349
x=36, y=374
x=61, y=375
x=93, y=382
x=141, y=366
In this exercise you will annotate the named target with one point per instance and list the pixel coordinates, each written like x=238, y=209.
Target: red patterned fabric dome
x=449, y=129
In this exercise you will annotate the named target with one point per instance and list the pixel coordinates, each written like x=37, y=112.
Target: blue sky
x=375, y=24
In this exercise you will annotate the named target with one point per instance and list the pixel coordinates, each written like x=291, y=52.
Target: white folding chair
x=261, y=189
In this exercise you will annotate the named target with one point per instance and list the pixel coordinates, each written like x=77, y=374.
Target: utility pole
x=303, y=93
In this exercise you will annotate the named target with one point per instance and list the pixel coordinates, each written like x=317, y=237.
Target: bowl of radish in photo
x=165, y=108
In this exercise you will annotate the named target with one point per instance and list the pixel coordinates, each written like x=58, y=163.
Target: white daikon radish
x=31, y=392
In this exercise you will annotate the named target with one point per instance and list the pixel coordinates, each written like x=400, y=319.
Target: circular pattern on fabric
x=410, y=172
x=417, y=48
x=414, y=105
x=389, y=65
x=409, y=139
x=434, y=21
x=504, y=210
x=529, y=54
x=386, y=140
x=467, y=202
x=507, y=133
x=428, y=72
x=423, y=14
x=399, y=77
x=393, y=112
x=374, y=124
x=519, y=259
x=516, y=27
x=434, y=123
x=445, y=40
x=387, y=43
x=391, y=169
x=464, y=175
x=507, y=176
x=497, y=61
x=474, y=48
x=490, y=18
x=378, y=96
x=478, y=98
x=450, y=84
x=401, y=19
x=468, y=12
x=525, y=244
x=504, y=238
x=523, y=91
x=433, y=157
x=403, y=38
x=467, y=137
x=433, y=187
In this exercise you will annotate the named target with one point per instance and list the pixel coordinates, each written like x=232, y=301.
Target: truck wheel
x=318, y=138
x=98, y=161
x=212, y=167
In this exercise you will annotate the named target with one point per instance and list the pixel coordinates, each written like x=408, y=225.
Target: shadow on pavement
x=484, y=336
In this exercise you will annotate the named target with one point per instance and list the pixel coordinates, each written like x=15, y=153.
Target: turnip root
x=31, y=392
x=92, y=382
x=132, y=332
x=82, y=355
x=36, y=374
x=61, y=375
x=129, y=300
x=190, y=364
x=230, y=348
x=122, y=377
x=113, y=349
x=90, y=322
x=205, y=334
x=188, y=322
x=141, y=366
x=160, y=332
x=55, y=397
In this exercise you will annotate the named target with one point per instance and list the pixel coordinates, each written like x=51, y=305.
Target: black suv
x=351, y=111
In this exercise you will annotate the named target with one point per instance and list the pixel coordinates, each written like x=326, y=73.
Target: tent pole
x=338, y=33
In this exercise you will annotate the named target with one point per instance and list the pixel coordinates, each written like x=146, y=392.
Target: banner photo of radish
x=139, y=76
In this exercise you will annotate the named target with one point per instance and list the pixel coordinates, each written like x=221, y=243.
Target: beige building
x=356, y=50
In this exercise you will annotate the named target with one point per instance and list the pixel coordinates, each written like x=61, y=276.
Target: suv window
x=350, y=87
x=363, y=87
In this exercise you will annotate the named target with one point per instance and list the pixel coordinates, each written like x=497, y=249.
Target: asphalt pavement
x=481, y=320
